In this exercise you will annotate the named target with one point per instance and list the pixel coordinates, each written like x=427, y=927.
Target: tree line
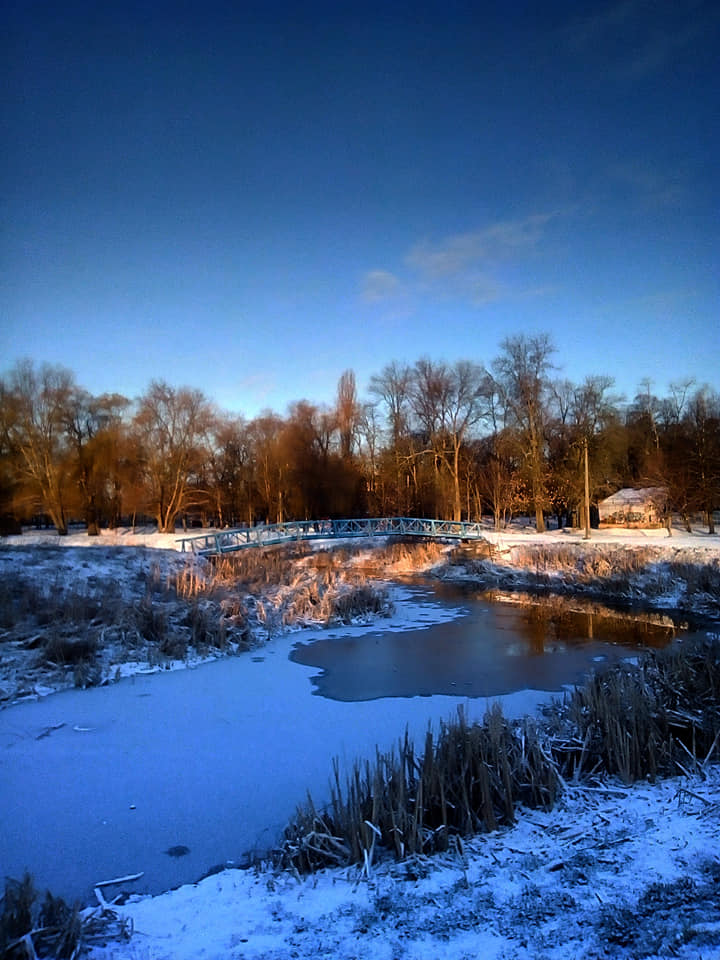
x=436, y=439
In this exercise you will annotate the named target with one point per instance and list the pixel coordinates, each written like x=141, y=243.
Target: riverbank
x=611, y=871
x=83, y=614
x=85, y=611
x=678, y=574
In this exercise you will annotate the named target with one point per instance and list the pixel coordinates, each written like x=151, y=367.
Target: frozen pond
x=495, y=649
x=103, y=782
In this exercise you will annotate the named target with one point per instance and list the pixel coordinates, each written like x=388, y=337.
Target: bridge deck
x=227, y=541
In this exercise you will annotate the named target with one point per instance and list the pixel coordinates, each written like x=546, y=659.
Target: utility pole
x=587, y=495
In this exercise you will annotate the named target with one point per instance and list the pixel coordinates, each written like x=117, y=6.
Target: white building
x=634, y=508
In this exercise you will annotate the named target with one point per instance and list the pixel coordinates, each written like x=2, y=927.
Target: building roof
x=629, y=497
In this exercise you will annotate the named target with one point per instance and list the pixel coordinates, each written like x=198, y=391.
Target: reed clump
x=466, y=781
x=255, y=568
x=326, y=596
x=404, y=555
x=624, y=572
x=659, y=718
x=52, y=930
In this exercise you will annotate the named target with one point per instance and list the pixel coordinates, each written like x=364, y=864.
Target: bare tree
x=92, y=425
x=448, y=401
x=583, y=415
x=392, y=388
x=34, y=405
x=347, y=413
x=266, y=432
x=522, y=378
x=171, y=425
x=703, y=419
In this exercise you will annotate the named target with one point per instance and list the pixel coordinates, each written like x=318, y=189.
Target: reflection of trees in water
x=548, y=619
x=499, y=648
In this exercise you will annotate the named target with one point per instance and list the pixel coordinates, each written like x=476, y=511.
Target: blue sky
x=252, y=199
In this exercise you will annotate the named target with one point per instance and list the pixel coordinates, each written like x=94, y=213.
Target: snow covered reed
x=659, y=718
x=466, y=781
x=29, y=929
x=684, y=578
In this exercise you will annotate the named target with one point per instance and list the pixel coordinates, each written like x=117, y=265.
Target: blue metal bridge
x=228, y=541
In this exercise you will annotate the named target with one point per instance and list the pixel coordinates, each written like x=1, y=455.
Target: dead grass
x=52, y=929
x=402, y=555
x=321, y=597
x=620, y=571
x=291, y=584
x=62, y=630
x=659, y=718
x=411, y=802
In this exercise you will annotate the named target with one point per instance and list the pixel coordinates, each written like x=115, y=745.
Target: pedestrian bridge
x=228, y=541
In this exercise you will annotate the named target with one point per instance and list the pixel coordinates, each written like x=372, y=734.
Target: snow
x=610, y=871
x=580, y=881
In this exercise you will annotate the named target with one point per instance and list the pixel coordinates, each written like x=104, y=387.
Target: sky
x=253, y=198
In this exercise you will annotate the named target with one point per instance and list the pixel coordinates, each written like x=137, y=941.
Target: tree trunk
x=457, y=505
x=91, y=517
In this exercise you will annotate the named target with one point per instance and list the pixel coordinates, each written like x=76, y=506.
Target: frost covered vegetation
x=89, y=618
x=679, y=577
x=656, y=718
x=503, y=839
x=69, y=616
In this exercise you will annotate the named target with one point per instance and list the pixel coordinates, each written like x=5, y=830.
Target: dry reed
x=467, y=780
x=659, y=718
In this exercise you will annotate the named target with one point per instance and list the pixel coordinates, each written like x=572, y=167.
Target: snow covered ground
x=610, y=872
x=513, y=534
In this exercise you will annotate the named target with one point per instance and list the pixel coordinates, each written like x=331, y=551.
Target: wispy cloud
x=380, y=285
x=649, y=185
x=477, y=250
x=663, y=46
x=479, y=266
x=586, y=32
x=638, y=38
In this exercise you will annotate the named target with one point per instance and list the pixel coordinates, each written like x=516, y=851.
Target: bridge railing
x=265, y=535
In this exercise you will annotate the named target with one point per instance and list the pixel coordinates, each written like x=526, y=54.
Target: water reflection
x=500, y=647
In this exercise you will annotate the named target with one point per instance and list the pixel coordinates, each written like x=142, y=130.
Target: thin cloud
x=641, y=37
x=662, y=48
x=483, y=290
x=480, y=267
x=586, y=32
x=380, y=285
x=458, y=253
x=649, y=185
